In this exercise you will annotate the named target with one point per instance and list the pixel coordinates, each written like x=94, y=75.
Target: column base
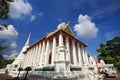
x=61, y=66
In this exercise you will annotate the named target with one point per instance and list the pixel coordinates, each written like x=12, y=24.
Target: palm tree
x=27, y=69
x=19, y=69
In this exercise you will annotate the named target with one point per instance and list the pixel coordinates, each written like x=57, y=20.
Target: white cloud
x=13, y=55
x=61, y=24
x=41, y=14
x=85, y=28
x=19, y=8
x=59, y=19
x=10, y=33
x=33, y=17
x=13, y=44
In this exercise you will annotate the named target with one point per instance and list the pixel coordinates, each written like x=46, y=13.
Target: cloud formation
x=100, y=8
x=41, y=14
x=13, y=44
x=19, y=8
x=13, y=55
x=112, y=34
x=10, y=33
x=33, y=17
x=85, y=28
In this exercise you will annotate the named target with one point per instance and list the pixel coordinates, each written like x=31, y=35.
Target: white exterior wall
x=39, y=54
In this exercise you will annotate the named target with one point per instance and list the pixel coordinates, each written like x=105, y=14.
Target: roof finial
x=68, y=24
x=28, y=40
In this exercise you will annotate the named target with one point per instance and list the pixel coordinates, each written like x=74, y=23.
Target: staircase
x=71, y=76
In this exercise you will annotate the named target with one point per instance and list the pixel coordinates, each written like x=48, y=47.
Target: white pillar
x=28, y=52
x=53, y=50
x=68, y=49
x=83, y=54
x=42, y=53
x=30, y=57
x=74, y=53
x=86, y=57
x=79, y=55
x=39, y=54
x=24, y=61
x=60, y=39
x=33, y=61
x=46, y=52
x=33, y=56
x=27, y=59
x=36, y=54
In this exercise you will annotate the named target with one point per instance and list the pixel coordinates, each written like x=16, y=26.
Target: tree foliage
x=3, y=27
x=4, y=8
x=4, y=62
x=110, y=51
x=3, y=48
x=19, y=69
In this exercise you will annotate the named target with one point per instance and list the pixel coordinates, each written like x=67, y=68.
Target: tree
x=19, y=69
x=3, y=48
x=6, y=71
x=110, y=51
x=3, y=26
x=27, y=69
x=4, y=8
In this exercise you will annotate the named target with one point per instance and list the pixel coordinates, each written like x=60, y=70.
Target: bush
x=6, y=71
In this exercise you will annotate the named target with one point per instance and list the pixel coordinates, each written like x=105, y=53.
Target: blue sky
x=92, y=21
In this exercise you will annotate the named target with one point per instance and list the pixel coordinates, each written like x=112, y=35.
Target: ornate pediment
x=64, y=27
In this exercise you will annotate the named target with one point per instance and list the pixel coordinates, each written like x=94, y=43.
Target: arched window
x=50, y=58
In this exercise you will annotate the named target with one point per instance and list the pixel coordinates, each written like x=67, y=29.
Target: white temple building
x=58, y=55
